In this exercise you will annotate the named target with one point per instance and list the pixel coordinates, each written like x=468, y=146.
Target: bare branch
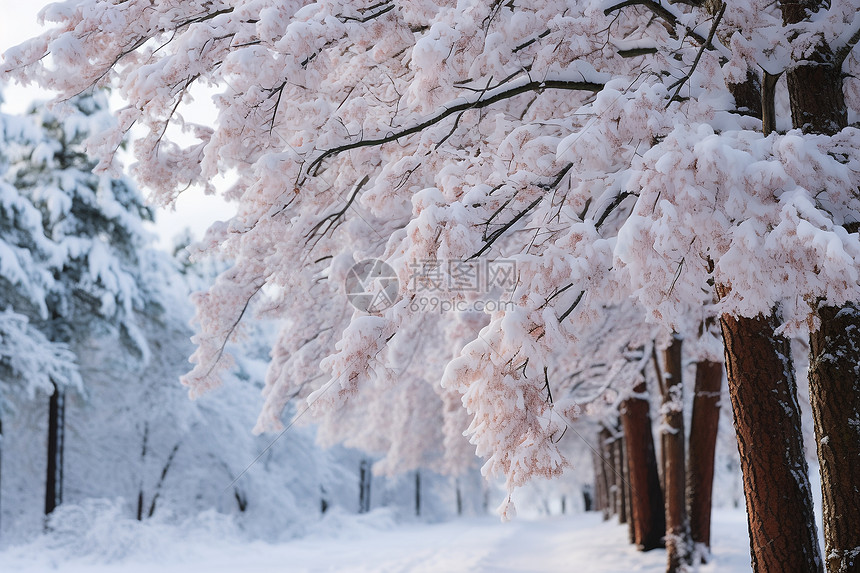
x=845, y=49
x=572, y=307
x=330, y=221
x=635, y=52
x=494, y=236
x=699, y=54
x=478, y=103
x=660, y=11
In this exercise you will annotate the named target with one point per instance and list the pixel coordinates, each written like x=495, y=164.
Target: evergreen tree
x=75, y=237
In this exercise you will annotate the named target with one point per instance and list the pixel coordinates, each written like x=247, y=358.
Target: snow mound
x=99, y=531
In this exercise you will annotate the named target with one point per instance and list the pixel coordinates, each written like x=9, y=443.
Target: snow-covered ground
x=374, y=543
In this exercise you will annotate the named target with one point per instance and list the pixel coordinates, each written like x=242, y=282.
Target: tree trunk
x=588, y=497
x=160, y=484
x=767, y=422
x=417, y=493
x=700, y=463
x=628, y=492
x=818, y=106
x=814, y=85
x=834, y=392
x=618, y=462
x=143, y=451
x=599, y=494
x=649, y=521
x=674, y=459
x=609, y=477
x=364, y=487
x=56, y=428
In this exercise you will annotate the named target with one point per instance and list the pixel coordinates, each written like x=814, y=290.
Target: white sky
x=193, y=209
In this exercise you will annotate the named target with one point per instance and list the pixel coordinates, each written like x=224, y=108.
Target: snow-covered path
x=580, y=544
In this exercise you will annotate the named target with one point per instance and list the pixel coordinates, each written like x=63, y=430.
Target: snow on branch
x=591, y=82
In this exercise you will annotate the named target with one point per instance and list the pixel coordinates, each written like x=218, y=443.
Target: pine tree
x=84, y=232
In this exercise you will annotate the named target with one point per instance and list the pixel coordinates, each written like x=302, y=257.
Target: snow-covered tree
x=603, y=150
x=30, y=359
x=73, y=240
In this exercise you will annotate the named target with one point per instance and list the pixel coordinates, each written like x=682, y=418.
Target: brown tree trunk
x=674, y=458
x=700, y=462
x=649, y=520
x=600, y=502
x=834, y=392
x=815, y=84
x=818, y=106
x=609, y=477
x=628, y=491
x=618, y=462
x=767, y=422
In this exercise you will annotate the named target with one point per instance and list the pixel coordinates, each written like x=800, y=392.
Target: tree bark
x=56, y=428
x=609, y=477
x=834, y=392
x=628, y=492
x=703, y=441
x=649, y=520
x=767, y=422
x=618, y=462
x=815, y=84
x=599, y=493
x=818, y=106
x=674, y=459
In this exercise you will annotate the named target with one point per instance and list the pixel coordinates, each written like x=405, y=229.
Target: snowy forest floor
x=376, y=544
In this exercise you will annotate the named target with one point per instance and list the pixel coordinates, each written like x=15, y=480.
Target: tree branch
x=330, y=221
x=699, y=54
x=845, y=49
x=494, y=96
x=493, y=237
x=660, y=11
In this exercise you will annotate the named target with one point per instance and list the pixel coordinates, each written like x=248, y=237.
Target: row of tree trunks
x=688, y=483
x=818, y=106
x=611, y=475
